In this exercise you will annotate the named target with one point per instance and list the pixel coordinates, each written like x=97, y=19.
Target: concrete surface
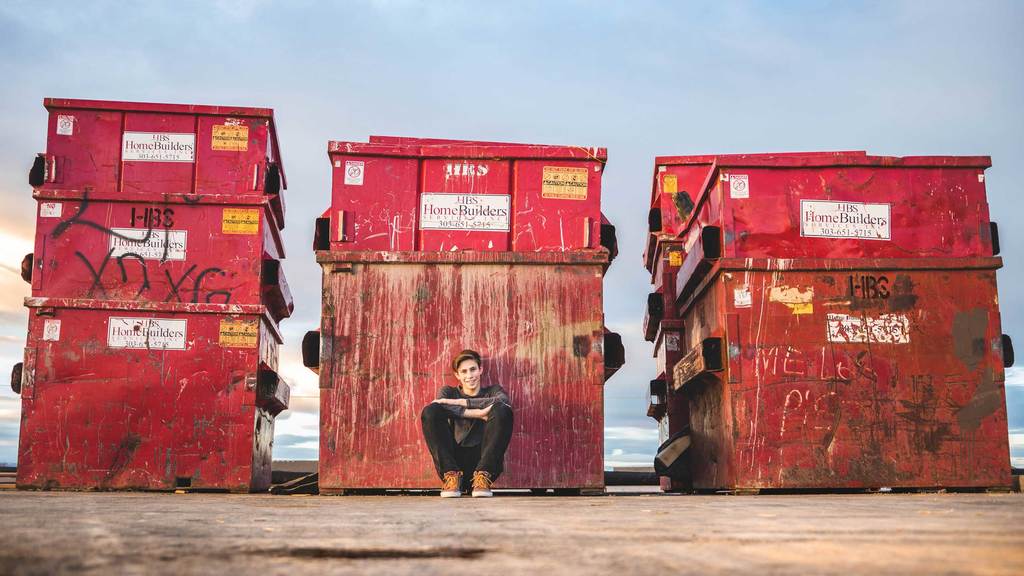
x=126, y=533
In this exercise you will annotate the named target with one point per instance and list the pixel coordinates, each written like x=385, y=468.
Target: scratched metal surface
x=390, y=330
x=381, y=208
x=878, y=376
x=98, y=416
x=937, y=205
x=154, y=249
x=86, y=140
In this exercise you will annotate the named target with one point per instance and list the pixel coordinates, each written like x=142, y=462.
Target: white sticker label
x=158, y=147
x=885, y=329
x=739, y=186
x=50, y=209
x=149, y=333
x=465, y=211
x=741, y=297
x=65, y=125
x=51, y=330
x=826, y=219
x=981, y=177
x=672, y=342
x=149, y=244
x=354, y=172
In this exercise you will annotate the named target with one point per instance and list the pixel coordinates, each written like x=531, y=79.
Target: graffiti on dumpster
x=139, y=245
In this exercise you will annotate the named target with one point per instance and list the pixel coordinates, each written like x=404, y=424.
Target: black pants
x=488, y=456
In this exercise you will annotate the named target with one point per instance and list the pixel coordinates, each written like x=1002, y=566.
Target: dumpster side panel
x=124, y=147
x=856, y=212
x=151, y=251
x=851, y=379
x=374, y=203
x=557, y=205
x=395, y=329
x=472, y=186
x=108, y=413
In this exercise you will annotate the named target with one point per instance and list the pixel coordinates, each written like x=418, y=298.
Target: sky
x=640, y=78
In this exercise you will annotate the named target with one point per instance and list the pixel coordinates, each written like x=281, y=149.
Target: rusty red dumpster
x=156, y=292
x=810, y=362
x=432, y=246
x=147, y=148
x=148, y=396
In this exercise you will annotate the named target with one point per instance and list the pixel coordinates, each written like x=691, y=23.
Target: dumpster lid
x=433, y=148
x=158, y=107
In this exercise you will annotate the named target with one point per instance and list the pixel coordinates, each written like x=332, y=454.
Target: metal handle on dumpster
x=274, y=287
x=614, y=354
x=654, y=220
x=994, y=234
x=26, y=267
x=16, y=373
x=44, y=169
x=698, y=262
x=272, y=392
x=1007, y=345
x=655, y=314
x=658, y=393
x=701, y=361
x=322, y=234
x=311, y=350
x=272, y=179
x=608, y=239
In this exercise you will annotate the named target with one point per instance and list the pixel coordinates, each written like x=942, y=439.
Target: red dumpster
x=431, y=246
x=810, y=363
x=148, y=396
x=128, y=148
x=158, y=248
x=157, y=288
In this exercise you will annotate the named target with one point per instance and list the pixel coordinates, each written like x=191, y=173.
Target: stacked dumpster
x=432, y=246
x=837, y=319
x=157, y=289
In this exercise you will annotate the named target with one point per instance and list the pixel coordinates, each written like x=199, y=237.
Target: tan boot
x=482, y=484
x=451, y=486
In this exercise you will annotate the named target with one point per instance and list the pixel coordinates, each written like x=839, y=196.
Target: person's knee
x=432, y=411
x=501, y=412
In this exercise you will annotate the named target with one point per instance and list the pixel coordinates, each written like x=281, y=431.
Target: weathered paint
x=191, y=405
x=157, y=248
x=518, y=197
x=934, y=206
x=392, y=322
x=915, y=399
x=216, y=150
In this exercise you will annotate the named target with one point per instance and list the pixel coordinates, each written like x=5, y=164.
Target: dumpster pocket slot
x=311, y=350
x=44, y=169
x=322, y=234
x=699, y=262
x=654, y=316
x=698, y=362
x=994, y=233
x=1007, y=345
x=26, y=267
x=654, y=220
x=272, y=392
x=658, y=393
x=614, y=354
x=608, y=239
x=276, y=295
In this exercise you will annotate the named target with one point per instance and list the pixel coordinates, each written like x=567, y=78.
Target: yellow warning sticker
x=670, y=185
x=240, y=221
x=239, y=333
x=564, y=183
x=230, y=137
x=675, y=258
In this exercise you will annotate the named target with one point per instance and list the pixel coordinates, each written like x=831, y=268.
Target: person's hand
x=485, y=413
x=478, y=413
